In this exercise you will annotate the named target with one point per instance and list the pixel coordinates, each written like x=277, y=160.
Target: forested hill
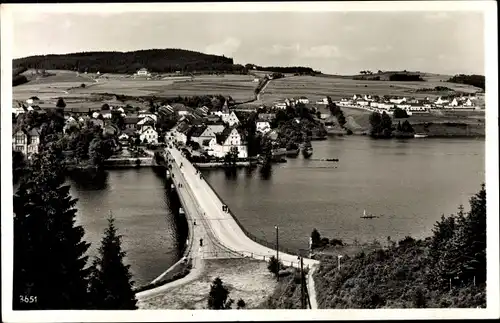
x=155, y=60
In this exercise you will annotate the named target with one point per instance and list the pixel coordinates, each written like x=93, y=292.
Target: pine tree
x=218, y=297
x=110, y=282
x=472, y=237
x=49, y=251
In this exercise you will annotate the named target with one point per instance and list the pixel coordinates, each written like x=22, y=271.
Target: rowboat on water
x=368, y=216
x=420, y=135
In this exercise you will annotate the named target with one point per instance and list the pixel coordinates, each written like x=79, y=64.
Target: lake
x=409, y=183
x=139, y=203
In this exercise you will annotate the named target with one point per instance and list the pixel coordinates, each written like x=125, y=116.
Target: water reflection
x=89, y=180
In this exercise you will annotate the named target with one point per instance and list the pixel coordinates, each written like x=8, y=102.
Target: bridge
x=223, y=236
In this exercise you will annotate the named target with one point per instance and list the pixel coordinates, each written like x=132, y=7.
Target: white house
x=146, y=120
x=441, y=101
x=368, y=98
x=403, y=106
x=280, y=105
x=26, y=141
x=229, y=138
x=181, y=131
x=147, y=114
x=397, y=101
x=95, y=115
x=231, y=119
x=106, y=114
x=303, y=100
x=148, y=134
x=468, y=103
x=454, y=103
x=263, y=126
x=143, y=72
x=362, y=103
x=201, y=133
x=17, y=110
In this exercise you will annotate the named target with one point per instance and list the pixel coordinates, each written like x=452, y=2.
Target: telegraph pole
x=277, y=253
x=302, y=282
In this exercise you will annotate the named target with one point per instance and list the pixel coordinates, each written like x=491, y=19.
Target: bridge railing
x=255, y=238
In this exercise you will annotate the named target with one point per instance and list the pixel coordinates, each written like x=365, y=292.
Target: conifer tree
x=218, y=297
x=49, y=250
x=110, y=282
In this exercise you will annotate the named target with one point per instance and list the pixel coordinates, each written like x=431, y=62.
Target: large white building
x=262, y=126
x=148, y=134
x=229, y=138
x=143, y=72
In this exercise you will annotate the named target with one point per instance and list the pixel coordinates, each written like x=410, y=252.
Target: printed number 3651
x=28, y=299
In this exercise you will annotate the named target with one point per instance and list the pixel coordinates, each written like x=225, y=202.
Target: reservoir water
x=410, y=183
x=138, y=201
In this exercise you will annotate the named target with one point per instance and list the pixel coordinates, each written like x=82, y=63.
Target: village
x=411, y=105
x=214, y=132
x=209, y=131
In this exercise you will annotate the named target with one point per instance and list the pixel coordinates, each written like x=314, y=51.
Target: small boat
x=420, y=135
x=292, y=150
x=368, y=216
x=307, y=150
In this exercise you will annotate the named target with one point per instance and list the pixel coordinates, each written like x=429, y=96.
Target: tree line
x=155, y=60
x=474, y=80
x=405, y=77
x=283, y=69
x=382, y=126
x=51, y=270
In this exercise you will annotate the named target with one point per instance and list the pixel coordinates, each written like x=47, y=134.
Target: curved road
x=222, y=224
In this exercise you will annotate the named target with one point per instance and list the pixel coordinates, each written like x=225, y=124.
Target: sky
x=332, y=42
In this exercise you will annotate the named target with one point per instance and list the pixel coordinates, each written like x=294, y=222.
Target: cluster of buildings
x=410, y=105
x=216, y=132
x=291, y=102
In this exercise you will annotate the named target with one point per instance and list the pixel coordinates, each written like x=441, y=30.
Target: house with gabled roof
x=231, y=119
x=148, y=135
x=262, y=125
x=146, y=121
x=166, y=109
x=130, y=122
x=216, y=128
x=181, y=132
x=26, y=141
x=229, y=138
x=145, y=114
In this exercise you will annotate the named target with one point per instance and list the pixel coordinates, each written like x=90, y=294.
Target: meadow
x=68, y=85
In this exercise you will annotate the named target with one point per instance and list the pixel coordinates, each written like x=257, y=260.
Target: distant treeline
x=287, y=69
x=155, y=60
x=405, y=77
x=17, y=78
x=435, y=89
x=474, y=80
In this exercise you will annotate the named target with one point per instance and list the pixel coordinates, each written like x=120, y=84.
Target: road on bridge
x=222, y=224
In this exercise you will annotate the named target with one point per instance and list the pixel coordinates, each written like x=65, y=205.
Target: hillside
x=155, y=60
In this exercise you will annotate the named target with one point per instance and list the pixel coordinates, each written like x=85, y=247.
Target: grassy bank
x=245, y=279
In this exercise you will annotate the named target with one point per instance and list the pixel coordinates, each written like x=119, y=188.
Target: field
x=358, y=120
x=67, y=84
x=317, y=87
